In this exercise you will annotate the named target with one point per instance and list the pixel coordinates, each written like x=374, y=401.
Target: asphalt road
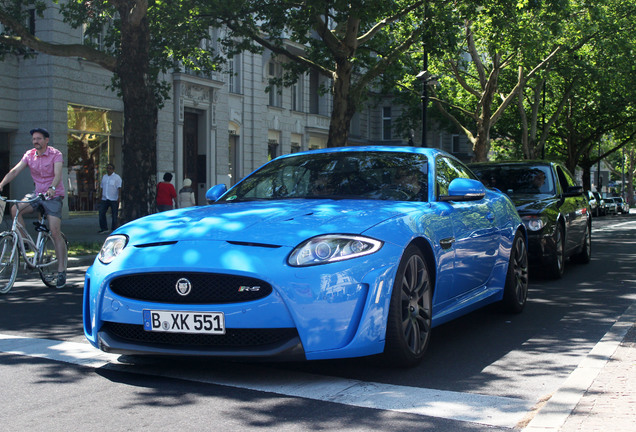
x=485, y=371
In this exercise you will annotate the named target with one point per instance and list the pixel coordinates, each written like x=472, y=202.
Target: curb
x=553, y=415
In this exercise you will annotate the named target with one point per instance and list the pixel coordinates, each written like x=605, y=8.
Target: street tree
x=600, y=102
x=353, y=44
x=142, y=40
x=482, y=76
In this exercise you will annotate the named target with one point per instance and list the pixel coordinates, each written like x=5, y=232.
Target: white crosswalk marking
x=470, y=407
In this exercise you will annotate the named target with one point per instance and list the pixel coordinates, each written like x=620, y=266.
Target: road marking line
x=613, y=227
x=469, y=407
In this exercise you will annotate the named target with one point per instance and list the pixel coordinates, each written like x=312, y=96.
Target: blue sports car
x=325, y=254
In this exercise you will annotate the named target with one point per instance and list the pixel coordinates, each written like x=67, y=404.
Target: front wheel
x=516, y=287
x=556, y=266
x=48, y=261
x=585, y=255
x=409, y=321
x=9, y=262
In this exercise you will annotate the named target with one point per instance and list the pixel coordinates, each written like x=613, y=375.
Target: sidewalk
x=599, y=395
x=82, y=228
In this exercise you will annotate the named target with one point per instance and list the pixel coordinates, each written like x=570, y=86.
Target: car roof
x=431, y=152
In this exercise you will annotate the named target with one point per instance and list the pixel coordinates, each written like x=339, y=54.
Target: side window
x=564, y=179
x=448, y=170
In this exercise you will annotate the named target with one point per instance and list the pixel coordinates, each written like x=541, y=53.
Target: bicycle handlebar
x=37, y=197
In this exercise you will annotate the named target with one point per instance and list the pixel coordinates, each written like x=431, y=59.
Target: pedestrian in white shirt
x=186, y=194
x=111, y=194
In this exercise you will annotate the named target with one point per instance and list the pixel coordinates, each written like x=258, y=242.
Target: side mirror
x=462, y=189
x=215, y=192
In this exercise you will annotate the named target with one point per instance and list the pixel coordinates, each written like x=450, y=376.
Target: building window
x=275, y=72
x=31, y=22
x=455, y=146
x=354, y=127
x=314, y=93
x=272, y=149
x=94, y=140
x=296, y=139
x=386, y=123
x=234, y=80
x=95, y=39
x=297, y=90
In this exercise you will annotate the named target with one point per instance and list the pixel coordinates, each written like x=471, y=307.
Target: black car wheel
x=585, y=255
x=557, y=260
x=516, y=288
x=409, y=322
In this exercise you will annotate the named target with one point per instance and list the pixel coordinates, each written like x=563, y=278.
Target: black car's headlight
x=112, y=247
x=330, y=248
x=533, y=223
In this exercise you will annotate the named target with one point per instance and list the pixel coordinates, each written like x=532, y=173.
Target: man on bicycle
x=45, y=164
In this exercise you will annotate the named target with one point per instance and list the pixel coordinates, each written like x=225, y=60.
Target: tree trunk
x=343, y=109
x=586, y=167
x=481, y=146
x=140, y=118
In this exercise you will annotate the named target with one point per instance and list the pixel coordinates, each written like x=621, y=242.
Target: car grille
x=206, y=288
x=233, y=338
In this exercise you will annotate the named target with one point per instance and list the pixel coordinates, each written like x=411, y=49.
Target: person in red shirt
x=166, y=194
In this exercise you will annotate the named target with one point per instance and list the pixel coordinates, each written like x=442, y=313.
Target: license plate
x=184, y=322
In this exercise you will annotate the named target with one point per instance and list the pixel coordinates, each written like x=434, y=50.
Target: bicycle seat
x=40, y=226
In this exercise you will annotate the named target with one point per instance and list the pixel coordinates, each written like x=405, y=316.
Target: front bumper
x=330, y=311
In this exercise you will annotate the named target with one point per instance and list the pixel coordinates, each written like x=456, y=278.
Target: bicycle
x=39, y=254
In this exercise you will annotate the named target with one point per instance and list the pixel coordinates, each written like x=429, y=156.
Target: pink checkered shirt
x=42, y=169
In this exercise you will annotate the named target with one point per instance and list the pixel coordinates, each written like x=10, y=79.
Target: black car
x=554, y=209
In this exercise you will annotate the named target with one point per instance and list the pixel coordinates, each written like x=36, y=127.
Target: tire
x=47, y=258
x=9, y=262
x=516, y=287
x=409, y=321
x=556, y=266
x=585, y=255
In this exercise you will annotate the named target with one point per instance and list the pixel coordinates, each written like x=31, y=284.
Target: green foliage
x=176, y=37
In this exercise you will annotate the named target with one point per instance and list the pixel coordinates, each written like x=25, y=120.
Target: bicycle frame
x=22, y=236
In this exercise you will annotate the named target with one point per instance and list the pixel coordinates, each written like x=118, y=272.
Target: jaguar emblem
x=183, y=287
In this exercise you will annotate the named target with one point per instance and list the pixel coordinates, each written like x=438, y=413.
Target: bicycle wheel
x=47, y=260
x=9, y=262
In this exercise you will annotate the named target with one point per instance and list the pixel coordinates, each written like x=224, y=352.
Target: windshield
x=517, y=179
x=359, y=175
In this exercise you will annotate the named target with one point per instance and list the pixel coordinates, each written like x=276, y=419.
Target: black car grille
x=205, y=288
x=233, y=338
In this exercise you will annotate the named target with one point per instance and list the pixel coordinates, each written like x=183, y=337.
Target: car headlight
x=112, y=247
x=533, y=223
x=331, y=248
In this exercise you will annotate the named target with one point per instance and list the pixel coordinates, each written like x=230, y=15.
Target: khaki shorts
x=50, y=207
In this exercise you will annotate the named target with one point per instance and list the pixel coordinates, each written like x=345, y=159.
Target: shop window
x=94, y=140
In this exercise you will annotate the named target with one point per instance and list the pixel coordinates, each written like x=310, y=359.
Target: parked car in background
x=611, y=206
x=593, y=203
x=602, y=207
x=333, y=253
x=554, y=209
x=623, y=205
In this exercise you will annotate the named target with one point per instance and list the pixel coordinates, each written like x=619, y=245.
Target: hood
x=282, y=223
x=535, y=204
